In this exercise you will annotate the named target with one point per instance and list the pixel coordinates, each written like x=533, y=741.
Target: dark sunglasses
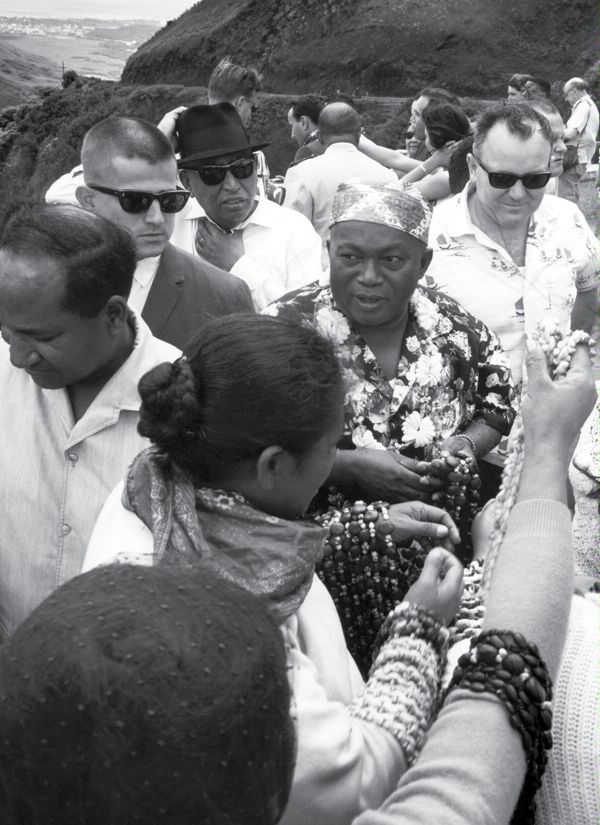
x=134, y=201
x=213, y=175
x=504, y=180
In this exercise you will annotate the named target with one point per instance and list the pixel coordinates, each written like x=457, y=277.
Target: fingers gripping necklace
x=559, y=349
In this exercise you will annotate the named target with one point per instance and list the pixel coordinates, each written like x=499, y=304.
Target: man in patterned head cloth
x=422, y=374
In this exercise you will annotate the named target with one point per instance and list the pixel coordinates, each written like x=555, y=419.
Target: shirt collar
x=314, y=135
x=258, y=217
x=459, y=221
x=146, y=270
x=339, y=147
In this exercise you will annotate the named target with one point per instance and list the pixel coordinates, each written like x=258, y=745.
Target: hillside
x=375, y=47
x=21, y=73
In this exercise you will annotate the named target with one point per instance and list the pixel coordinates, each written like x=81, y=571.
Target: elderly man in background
x=510, y=254
x=580, y=134
x=273, y=249
x=129, y=176
x=311, y=187
x=422, y=374
x=303, y=118
x=72, y=356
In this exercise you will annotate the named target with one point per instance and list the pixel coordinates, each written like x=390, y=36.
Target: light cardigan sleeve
x=472, y=767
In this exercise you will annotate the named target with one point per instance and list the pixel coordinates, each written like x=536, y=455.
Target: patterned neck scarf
x=272, y=558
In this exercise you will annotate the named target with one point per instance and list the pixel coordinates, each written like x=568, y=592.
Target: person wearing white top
x=310, y=187
x=273, y=249
x=581, y=132
x=72, y=355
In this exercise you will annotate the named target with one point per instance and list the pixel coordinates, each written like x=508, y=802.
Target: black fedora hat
x=206, y=132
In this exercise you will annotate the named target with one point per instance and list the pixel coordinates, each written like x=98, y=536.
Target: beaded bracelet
x=469, y=440
x=504, y=663
x=366, y=571
x=403, y=689
x=409, y=619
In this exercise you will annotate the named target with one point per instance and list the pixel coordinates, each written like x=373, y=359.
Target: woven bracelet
x=504, y=663
x=409, y=619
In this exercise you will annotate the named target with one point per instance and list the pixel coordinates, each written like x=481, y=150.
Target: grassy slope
x=21, y=72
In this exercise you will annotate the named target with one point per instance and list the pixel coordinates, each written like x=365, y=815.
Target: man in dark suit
x=129, y=176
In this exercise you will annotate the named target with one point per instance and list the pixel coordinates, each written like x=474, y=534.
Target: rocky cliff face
x=376, y=47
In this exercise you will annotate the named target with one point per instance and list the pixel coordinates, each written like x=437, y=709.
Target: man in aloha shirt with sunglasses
x=273, y=249
x=510, y=254
x=422, y=374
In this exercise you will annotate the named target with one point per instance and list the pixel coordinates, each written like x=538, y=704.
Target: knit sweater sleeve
x=472, y=767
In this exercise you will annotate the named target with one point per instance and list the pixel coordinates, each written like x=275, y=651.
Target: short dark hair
x=128, y=137
x=149, y=695
x=444, y=122
x=518, y=81
x=435, y=95
x=541, y=82
x=519, y=118
x=229, y=80
x=458, y=168
x=249, y=381
x=339, y=120
x=97, y=255
x=309, y=106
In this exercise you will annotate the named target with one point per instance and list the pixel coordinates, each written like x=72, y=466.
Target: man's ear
x=273, y=465
x=116, y=311
x=184, y=178
x=86, y=198
x=472, y=164
x=426, y=260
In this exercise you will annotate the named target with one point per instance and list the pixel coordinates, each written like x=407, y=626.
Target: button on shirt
x=561, y=259
x=56, y=473
x=282, y=251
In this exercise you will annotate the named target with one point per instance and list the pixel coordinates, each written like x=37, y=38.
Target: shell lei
x=559, y=349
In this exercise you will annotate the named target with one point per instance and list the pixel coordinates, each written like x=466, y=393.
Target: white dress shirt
x=143, y=278
x=56, y=472
x=282, y=251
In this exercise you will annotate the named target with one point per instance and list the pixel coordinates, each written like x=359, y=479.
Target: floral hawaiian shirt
x=561, y=260
x=451, y=371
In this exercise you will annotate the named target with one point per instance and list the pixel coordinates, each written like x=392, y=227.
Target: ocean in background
x=160, y=10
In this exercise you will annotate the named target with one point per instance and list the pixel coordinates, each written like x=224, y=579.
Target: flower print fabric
x=451, y=371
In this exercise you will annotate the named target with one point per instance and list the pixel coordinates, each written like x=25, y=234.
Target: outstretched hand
x=554, y=411
x=440, y=585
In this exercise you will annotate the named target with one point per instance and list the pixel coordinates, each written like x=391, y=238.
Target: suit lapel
x=164, y=292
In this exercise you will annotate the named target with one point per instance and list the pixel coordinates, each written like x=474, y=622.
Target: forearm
x=388, y=157
x=585, y=310
x=344, y=470
x=483, y=436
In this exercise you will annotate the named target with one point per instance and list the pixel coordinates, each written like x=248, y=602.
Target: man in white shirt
x=273, y=249
x=129, y=176
x=72, y=356
x=581, y=132
x=311, y=186
x=510, y=254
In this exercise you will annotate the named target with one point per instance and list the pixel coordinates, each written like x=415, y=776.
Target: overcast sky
x=107, y=9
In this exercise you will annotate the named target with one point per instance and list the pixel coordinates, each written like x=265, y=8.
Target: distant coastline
x=89, y=46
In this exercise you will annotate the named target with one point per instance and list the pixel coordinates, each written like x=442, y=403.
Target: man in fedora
x=129, y=176
x=273, y=249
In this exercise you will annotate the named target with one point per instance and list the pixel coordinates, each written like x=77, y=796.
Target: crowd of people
x=300, y=478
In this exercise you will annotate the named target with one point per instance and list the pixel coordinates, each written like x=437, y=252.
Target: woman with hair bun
x=244, y=432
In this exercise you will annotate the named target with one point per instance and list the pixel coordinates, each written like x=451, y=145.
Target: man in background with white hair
x=581, y=133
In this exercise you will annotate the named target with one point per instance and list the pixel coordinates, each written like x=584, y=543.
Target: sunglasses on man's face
x=504, y=180
x=134, y=201
x=213, y=175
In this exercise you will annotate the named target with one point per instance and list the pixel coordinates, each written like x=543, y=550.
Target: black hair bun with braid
x=170, y=410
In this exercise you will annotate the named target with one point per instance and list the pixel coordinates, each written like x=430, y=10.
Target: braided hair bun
x=170, y=409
